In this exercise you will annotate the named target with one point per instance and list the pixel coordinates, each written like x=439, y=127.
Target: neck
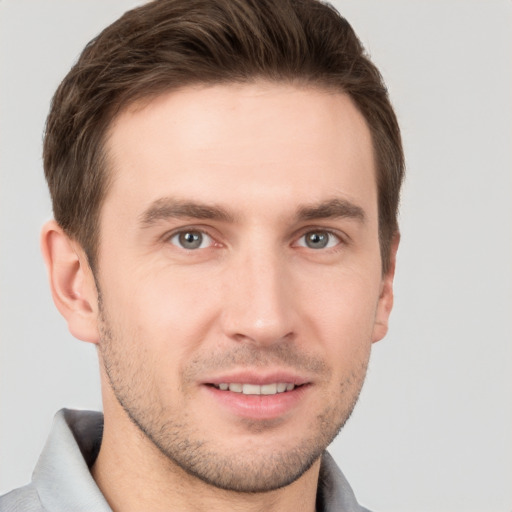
x=134, y=475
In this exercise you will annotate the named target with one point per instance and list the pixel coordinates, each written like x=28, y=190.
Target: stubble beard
x=255, y=469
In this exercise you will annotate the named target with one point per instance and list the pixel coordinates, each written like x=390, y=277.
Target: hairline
x=140, y=100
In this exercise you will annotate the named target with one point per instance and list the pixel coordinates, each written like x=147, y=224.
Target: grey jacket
x=62, y=482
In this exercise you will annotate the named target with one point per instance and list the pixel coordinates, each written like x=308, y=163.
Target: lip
x=258, y=378
x=258, y=407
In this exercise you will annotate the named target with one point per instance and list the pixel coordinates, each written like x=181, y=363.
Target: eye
x=191, y=239
x=318, y=240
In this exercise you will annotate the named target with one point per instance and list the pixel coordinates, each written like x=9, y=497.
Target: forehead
x=259, y=142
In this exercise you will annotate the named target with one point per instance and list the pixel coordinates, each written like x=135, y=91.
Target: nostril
x=263, y=336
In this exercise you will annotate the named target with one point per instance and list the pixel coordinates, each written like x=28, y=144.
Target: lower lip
x=263, y=407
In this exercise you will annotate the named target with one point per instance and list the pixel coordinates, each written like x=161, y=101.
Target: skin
x=256, y=170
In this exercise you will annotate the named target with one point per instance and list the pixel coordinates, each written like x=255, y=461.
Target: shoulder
x=24, y=499
x=61, y=479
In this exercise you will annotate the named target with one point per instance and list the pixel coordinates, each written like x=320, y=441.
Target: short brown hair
x=166, y=44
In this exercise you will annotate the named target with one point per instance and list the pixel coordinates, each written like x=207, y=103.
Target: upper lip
x=257, y=377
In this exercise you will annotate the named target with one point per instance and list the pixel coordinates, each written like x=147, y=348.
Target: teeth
x=269, y=389
x=251, y=389
x=255, y=389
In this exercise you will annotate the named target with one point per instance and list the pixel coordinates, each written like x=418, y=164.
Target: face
x=240, y=276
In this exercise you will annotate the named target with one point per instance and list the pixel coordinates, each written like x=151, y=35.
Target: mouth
x=256, y=397
x=256, y=389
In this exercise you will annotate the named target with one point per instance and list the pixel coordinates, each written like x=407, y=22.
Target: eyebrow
x=332, y=209
x=169, y=208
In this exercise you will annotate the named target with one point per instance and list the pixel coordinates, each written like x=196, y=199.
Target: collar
x=63, y=480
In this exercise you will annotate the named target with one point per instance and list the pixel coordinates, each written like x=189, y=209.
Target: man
x=225, y=179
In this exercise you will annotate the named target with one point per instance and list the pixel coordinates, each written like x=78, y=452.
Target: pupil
x=316, y=240
x=191, y=240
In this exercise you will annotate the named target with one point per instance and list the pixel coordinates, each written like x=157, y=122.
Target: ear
x=71, y=282
x=385, y=304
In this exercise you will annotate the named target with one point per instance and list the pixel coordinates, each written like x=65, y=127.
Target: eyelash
x=181, y=232
x=332, y=236
x=192, y=230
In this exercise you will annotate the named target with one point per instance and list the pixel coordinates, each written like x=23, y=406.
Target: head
x=163, y=46
x=225, y=178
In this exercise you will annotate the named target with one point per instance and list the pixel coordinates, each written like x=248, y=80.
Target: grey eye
x=191, y=240
x=318, y=240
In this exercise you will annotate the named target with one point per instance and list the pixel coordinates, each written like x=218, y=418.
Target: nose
x=258, y=302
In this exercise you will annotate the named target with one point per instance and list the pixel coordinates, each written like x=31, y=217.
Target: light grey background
x=433, y=429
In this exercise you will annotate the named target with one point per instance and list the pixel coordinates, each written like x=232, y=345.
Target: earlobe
x=71, y=282
x=385, y=304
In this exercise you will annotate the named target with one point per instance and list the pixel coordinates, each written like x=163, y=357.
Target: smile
x=255, y=389
x=259, y=397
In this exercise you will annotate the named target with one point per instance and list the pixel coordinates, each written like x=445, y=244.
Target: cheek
x=170, y=311
x=341, y=316
x=343, y=302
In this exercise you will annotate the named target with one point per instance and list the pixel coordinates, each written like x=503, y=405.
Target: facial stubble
x=169, y=427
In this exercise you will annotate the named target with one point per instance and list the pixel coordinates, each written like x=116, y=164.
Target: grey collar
x=63, y=480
